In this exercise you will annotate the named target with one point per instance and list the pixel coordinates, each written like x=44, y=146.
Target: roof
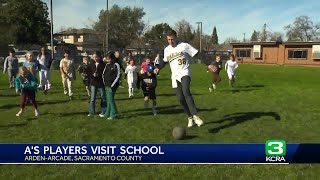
x=78, y=31
x=254, y=43
x=276, y=43
x=220, y=47
x=302, y=43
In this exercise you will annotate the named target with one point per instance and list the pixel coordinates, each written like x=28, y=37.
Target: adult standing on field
x=178, y=55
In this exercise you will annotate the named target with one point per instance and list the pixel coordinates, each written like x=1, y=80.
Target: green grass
x=249, y=113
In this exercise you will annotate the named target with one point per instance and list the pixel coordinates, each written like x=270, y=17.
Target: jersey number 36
x=182, y=61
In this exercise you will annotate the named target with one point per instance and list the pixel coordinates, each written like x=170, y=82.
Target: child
x=215, y=75
x=117, y=60
x=149, y=84
x=145, y=65
x=96, y=83
x=31, y=64
x=111, y=77
x=231, y=66
x=83, y=70
x=68, y=74
x=131, y=77
x=11, y=65
x=26, y=85
x=45, y=61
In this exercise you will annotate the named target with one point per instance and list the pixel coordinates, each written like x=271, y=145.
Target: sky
x=232, y=18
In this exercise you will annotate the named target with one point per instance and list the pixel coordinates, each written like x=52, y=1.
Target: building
x=282, y=53
x=85, y=39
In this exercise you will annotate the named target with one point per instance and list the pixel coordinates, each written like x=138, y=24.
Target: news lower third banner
x=273, y=151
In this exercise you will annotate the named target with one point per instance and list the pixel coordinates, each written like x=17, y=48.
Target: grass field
x=269, y=102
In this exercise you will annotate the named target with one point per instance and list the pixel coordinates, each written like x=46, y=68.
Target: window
x=65, y=37
x=244, y=53
x=298, y=54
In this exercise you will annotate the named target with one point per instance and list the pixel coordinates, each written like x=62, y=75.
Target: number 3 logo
x=275, y=146
x=182, y=61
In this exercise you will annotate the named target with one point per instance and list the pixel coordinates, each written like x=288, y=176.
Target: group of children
x=24, y=79
x=98, y=74
x=104, y=75
x=230, y=67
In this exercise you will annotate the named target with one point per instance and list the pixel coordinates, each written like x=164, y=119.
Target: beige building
x=85, y=39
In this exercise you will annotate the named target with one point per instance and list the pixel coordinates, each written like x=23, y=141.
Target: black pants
x=185, y=97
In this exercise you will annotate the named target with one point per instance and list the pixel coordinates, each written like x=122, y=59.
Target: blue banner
x=271, y=152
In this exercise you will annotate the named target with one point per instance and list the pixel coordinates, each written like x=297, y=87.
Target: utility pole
x=264, y=32
x=200, y=34
x=244, y=37
x=107, y=28
x=52, y=45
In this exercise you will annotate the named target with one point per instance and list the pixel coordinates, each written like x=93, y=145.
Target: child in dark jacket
x=26, y=85
x=148, y=80
x=111, y=78
x=96, y=83
x=215, y=75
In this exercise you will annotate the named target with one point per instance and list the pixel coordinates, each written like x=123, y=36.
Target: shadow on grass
x=14, y=125
x=238, y=118
x=252, y=86
x=53, y=102
x=189, y=137
x=9, y=95
x=168, y=110
x=73, y=114
x=9, y=106
x=158, y=95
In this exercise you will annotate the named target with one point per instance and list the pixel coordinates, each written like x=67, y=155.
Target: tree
x=24, y=22
x=196, y=39
x=206, y=42
x=275, y=36
x=156, y=35
x=254, y=36
x=214, y=36
x=184, y=31
x=125, y=25
x=229, y=40
x=302, y=29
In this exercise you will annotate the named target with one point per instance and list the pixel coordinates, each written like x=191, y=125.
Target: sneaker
x=190, y=122
x=36, y=113
x=197, y=120
x=19, y=113
x=154, y=111
x=110, y=118
x=90, y=115
x=214, y=86
x=210, y=89
x=101, y=115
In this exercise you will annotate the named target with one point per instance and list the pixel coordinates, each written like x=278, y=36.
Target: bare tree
x=184, y=30
x=229, y=40
x=302, y=29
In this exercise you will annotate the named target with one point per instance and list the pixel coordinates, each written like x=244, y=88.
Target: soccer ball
x=179, y=133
